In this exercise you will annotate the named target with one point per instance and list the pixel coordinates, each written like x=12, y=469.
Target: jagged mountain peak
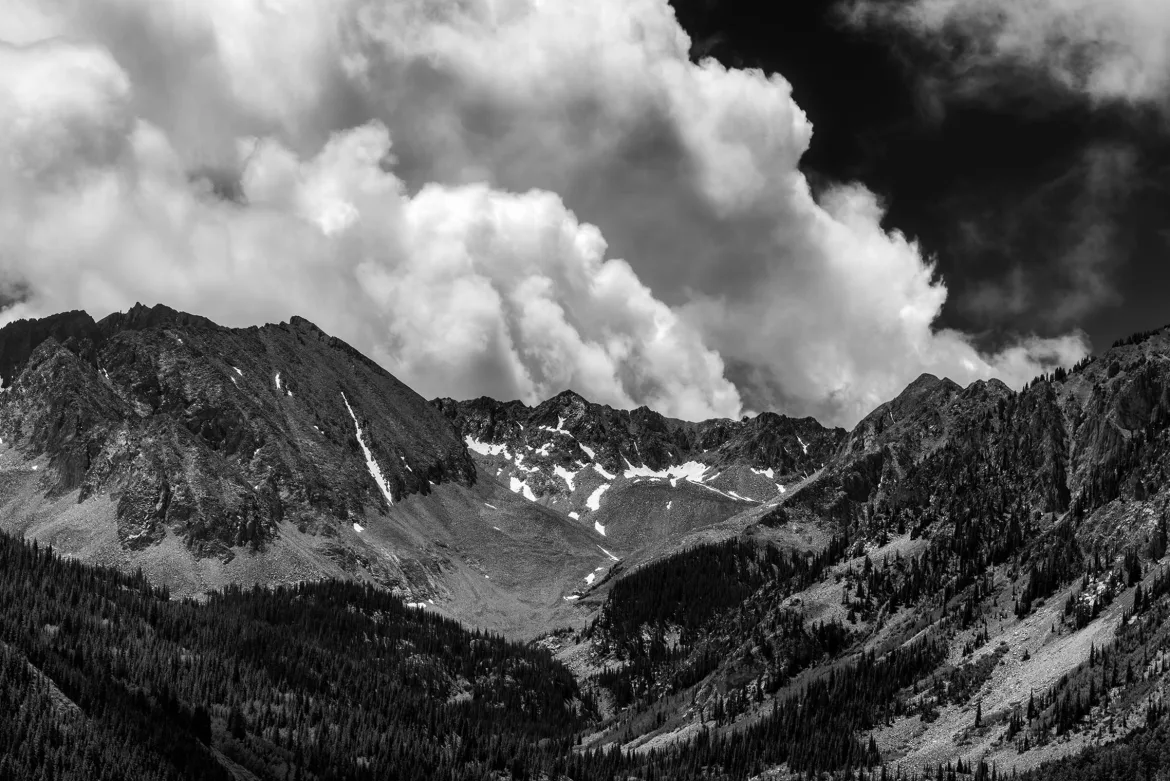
x=140, y=317
x=636, y=477
x=157, y=406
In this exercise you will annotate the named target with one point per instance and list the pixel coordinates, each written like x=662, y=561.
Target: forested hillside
x=103, y=677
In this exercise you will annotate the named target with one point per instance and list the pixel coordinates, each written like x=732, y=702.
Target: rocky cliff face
x=567, y=434
x=215, y=434
x=1071, y=441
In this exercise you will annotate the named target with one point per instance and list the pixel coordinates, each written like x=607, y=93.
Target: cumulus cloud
x=452, y=187
x=1107, y=50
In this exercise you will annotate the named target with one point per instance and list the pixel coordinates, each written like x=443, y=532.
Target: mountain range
x=969, y=580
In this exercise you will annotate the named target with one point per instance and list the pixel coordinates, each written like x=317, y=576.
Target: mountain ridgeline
x=970, y=583
x=218, y=434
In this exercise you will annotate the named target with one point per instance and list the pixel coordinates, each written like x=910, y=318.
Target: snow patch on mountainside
x=519, y=486
x=484, y=449
x=594, y=500
x=371, y=464
x=560, y=429
x=691, y=471
x=600, y=529
x=724, y=493
x=588, y=451
x=565, y=475
x=601, y=471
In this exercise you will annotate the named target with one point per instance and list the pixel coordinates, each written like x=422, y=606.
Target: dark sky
x=1045, y=213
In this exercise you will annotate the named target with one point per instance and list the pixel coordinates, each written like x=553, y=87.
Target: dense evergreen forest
x=102, y=676
x=672, y=622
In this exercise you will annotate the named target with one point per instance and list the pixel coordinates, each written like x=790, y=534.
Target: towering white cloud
x=234, y=159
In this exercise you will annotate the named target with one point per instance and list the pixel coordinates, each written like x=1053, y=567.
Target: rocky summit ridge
x=216, y=434
x=547, y=450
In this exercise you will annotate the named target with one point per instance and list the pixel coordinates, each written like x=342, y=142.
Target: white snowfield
x=599, y=528
x=594, y=500
x=519, y=486
x=601, y=471
x=691, y=471
x=768, y=473
x=575, y=516
x=588, y=451
x=485, y=449
x=802, y=444
x=565, y=475
x=277, y=380
x=520, y=464
x=357, y=527
x=731, y=495
x=560, y=429
x=371, y=464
